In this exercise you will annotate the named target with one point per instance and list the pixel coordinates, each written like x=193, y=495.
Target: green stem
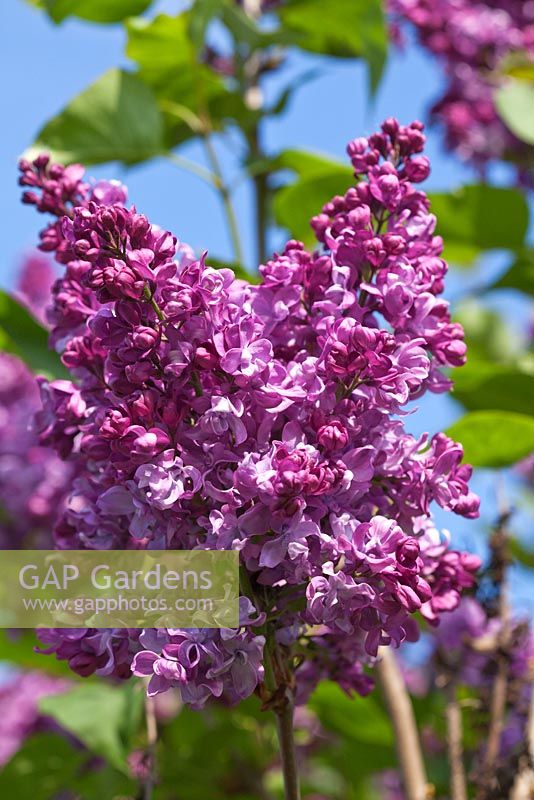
x=150, y=297
x=152, y=738
x=261, y=191
x=286, y=740
x=215, y=179
x=194, y=168
x=283, y=708
x=254, y=100
x=222, y=187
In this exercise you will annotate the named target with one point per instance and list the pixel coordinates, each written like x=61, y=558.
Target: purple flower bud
x=417, y=169
x=333, y=436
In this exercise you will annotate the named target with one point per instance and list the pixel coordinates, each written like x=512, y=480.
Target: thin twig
x=279, y=696
x=499, y=562
x=524, y=783
x=152, y=738
x=286, y=740
x=402, y=717
x=261, y=190
x=254, y=100
x=194, y=168
x=202, y=125
x=497, y=712
x=453, y=717
x=226, y=197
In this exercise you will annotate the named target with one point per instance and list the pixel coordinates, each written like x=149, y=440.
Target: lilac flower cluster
x=33, y=479
x=473, y=41
x=19, y=709
x=210, y=413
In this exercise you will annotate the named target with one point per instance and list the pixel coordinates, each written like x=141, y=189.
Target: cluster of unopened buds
x=209, y=413
x=474, y=41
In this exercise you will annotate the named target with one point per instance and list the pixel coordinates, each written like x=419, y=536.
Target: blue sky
x=44, y=66
x=49, y=64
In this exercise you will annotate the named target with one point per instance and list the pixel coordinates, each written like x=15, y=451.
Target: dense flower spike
x=474, y=41
x=210, y=413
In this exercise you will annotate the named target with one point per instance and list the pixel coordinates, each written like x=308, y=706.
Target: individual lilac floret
x=167, y=481
x=204, y=663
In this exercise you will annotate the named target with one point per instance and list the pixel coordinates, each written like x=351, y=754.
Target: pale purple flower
x=167, y=480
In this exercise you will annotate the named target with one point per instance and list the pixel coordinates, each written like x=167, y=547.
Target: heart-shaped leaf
x=21, y=335
x=115, y=119
x=494, y=438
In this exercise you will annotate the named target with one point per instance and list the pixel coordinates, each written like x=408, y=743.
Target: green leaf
x=249, y=750
x=44, y=766
x=160, y=46
x=521, y=553
x=297, y=202
x=114, y=119
x=186, y=91
x=104, y=11
x=17, y=647
x=306, y=163
x=201, y=13
x=517, y=64
x=243, y=29
x=22, y=335
x=48, y=765
x=364, y=739
x=477, y=218
x=520, y=275
x=488, y=337
x=494, y=438
x=356, y=718
x=522, y=70
x=103, y=717
x=343, y=28
x=515, y=104
x=482, y=385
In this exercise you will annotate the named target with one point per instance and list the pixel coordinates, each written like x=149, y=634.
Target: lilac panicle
x=474, y=41
x=206, y=412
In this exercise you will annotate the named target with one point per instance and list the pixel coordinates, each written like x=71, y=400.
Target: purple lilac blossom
x=33, y=479
x=19, y=709
x=210, y=413
x=473, y=40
